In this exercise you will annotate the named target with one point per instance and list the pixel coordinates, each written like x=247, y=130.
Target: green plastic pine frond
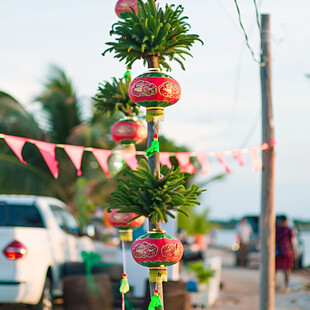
x=152, y=32
x=113, y=97
x=155, y=198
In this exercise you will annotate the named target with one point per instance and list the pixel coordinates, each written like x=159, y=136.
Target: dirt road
x=241, y=288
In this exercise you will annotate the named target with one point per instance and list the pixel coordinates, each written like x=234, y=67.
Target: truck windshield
x=20, y=215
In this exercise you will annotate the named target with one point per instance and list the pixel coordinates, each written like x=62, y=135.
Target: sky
x=220, y=105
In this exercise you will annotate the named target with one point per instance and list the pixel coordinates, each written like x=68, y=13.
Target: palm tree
x=63, y=124
x=61, y=105
x=32, y=178
x=15, y=120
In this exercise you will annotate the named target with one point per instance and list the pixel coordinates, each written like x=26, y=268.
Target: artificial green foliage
x=153, y=32
x=203, y=274
x=195, y=223
x=145, y=194
x=113, y=97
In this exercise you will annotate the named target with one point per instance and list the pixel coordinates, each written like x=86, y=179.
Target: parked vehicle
x=254, y=249
x=38, y=237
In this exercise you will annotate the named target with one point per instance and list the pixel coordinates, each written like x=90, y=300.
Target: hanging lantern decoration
x=157, y=250
x=120, y=221
x=129, y=130
x=123, y=7
x=155, y=91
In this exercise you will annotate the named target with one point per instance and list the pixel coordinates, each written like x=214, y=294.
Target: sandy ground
x=241, y=288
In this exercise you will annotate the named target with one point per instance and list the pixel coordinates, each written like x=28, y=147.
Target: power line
x=238, y=73
x=245, y=34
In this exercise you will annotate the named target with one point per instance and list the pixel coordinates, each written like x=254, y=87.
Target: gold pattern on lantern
x=171, y=250
x=144, y=249
x=170, y=90
x=143, y=88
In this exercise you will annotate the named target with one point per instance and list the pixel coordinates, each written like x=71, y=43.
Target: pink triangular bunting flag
x=185, y=163
x=16, y=144
x=204, y=162
x=164, y=158
x=48, y=152
x=237, y=155
x=220, y=156
x=130, y=159
x=102, y=157
x=256, y=158
x=75, y=153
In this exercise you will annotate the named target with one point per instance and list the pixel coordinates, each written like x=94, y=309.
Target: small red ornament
x=120, y=221
x=123, y=7
x=157, y=250
x=155, y=91
x=128, y=131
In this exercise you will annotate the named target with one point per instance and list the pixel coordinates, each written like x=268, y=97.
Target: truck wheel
x=46, y=300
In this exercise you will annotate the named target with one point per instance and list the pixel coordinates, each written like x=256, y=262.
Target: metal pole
x=267, y=218
x=154, y=163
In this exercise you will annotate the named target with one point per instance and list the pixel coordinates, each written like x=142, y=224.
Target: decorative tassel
x=155, y=302
x=155, y=114
x=125, y=234
x=89, y=259
x=127, y=74
x=154, y=148
x=128, y=304
x=158, y=274
x=124, y=288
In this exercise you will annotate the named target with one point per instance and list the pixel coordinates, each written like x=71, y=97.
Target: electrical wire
x=228, y=15
x=245, y=34
x=238, y=71
x=252, y=130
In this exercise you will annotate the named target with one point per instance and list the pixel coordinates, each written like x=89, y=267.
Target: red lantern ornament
x=155, y=91
x=128, y=131
x=157, y=250
x=120, y=221
x=124, y=6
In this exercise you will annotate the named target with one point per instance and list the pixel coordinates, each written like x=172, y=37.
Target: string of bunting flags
x=76, y=152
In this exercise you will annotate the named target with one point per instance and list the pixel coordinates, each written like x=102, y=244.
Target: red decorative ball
x=123, y=7
x=154, y=89
x=129, y=131
x=157, y=249
x=120, y=220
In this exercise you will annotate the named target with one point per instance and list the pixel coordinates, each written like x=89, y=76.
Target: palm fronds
x=60, y=101
x=15, y=120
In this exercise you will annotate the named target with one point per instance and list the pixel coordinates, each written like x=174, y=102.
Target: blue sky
x=220, y=104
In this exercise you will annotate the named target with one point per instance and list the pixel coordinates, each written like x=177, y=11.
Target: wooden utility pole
x=267, y=218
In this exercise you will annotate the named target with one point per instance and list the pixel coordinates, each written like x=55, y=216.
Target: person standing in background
x=284, y=250
x=244, y=230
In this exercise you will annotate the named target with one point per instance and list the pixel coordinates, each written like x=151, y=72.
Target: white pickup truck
x=38, y=236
